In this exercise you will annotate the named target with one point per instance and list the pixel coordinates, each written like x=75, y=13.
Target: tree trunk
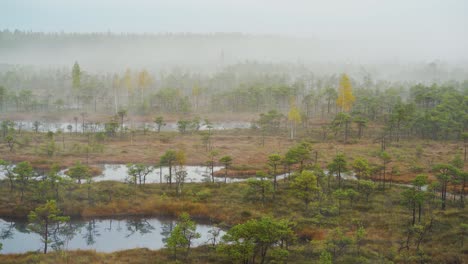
x=264, y=252
x=11, y=183
x=384, y=172
x=398, y=132
x=225, y=174
x=465, y=141
x=346, y=132
x=443, y=194
x=22, y=193
x=419, y=212
x=170, y=174
x=212, y=173
x=339, y=179
x=275, y=183
x=462, y=192
x=46, y=236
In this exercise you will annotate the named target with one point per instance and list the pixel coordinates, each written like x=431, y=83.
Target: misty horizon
x=357, y=32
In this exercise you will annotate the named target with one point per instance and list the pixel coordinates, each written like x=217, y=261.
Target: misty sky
x=437, y=28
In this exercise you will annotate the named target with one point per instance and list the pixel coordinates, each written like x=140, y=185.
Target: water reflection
x=119, y=172
x=166, y=230
x=91, y=233
x=7, y=230
x=103, y=235
x=141, y=226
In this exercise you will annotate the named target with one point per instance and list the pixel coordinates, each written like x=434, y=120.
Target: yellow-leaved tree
x=144, y=80
x=116, y=88
x=294, y=117
x=345, y=98
x=127, y=80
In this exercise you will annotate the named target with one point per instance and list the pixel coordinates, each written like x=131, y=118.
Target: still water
x=102, y=235
x=119, y=172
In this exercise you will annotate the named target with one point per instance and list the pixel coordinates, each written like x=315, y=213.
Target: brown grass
x=89, y=257
x=245, y=146
x=309, y=233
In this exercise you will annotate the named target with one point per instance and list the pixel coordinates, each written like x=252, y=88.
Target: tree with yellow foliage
x=144, y=80
x=127, y=80
x=345, y=98
x=294, y=117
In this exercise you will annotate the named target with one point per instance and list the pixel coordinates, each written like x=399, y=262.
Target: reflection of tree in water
x=57, y=239
x=119, y=227
x=166, y=229
x=206, y=175
x=91, y=232
x=6, y=231
x=68, y=231
x=22, y=227
x=61, y=235
x=110, y=226
x=214, y=235
x=138, y=225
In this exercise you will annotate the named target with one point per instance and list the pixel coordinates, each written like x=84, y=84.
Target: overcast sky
x=435, y=26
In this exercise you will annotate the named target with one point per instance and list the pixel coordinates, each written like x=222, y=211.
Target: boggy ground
x=383, y=216
x=69, y=115
x=247, y=147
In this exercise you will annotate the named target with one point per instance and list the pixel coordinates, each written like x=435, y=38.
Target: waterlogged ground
x=45, y=126
x=119, y=172
x=195, y=174
x=102, y=235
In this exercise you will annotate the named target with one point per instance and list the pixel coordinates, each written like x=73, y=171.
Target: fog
x=331, y=36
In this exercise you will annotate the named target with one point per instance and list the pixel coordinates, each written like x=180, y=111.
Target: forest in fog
x=215, y=131
x=420, y=99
